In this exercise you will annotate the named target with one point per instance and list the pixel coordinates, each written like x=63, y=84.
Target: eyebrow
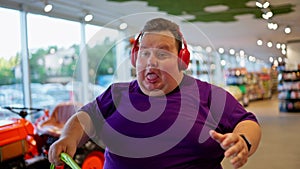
x=161, y=46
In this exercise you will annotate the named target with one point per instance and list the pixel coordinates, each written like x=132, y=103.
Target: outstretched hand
x=234, y=145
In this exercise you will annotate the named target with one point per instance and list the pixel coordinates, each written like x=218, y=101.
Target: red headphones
x=184, y=54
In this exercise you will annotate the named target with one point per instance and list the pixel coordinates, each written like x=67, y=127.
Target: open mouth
x=152, y=77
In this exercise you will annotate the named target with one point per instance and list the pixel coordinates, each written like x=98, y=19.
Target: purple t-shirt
x=171, y=131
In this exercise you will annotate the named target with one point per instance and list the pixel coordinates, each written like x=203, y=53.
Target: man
x=164, y=119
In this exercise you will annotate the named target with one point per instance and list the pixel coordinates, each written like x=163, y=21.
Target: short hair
x=161, y=24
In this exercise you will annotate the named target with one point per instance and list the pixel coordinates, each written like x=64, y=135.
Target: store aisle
x=280, y=144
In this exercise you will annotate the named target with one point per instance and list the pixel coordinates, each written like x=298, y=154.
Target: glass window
x=10, y=67
x=101, y=51
x=54, y=49
x=54, y=60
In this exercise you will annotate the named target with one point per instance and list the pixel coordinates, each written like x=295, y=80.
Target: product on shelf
x=274, y=79
x=266, y=85
x=237, y=78
x=289, y=91
x=234, y=91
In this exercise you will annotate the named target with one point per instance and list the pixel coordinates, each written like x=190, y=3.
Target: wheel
x=94, y=160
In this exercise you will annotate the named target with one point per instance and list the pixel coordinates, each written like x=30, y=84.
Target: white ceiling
x=239, y=35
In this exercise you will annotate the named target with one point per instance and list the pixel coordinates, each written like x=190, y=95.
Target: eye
x=162, y=54
x=144, y=53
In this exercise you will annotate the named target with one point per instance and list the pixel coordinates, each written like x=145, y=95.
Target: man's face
x=157, y=63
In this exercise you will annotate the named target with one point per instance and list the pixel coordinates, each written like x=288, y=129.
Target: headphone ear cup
x=184, y=59
x=134, y=52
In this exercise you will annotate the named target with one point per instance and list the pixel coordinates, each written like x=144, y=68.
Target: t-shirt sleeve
x=100, y=108
x=234, y=113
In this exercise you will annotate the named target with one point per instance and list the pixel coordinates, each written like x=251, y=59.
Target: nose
x=152, y=60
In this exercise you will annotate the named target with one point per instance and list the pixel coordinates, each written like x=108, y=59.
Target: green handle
x=52, y=166
x=68, y=160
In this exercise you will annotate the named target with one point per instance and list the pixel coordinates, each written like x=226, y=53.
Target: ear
x=134, y=52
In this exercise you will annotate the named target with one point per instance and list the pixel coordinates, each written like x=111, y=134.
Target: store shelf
x=274, y=79
x=253, y=85
x=259, y=86
x=289, y=105
x=289, y=91
x=237, y=78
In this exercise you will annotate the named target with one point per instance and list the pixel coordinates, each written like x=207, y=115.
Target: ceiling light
x=208, y=49
x=278, y=45
x=273, y=26
x=279, y=59
x=123, y=26
x=287, y=30
x=283, y=52
x=267, y=15
x=259, y=42
x=88, y=17
x=266, y=5
x=242, y=53
x=271, y=59
x=283, y=46
x=258, y=4
x=48, y=7
x=270, y=25
x=231, y=51
x=223, y=62
x=269, y=44
x=221, y=50
x=252, y=59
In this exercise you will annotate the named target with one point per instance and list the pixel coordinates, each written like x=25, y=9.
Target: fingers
x=234, y=146
x=217, y=136
x=241, y=156
x=223, y=139
x=239, y=160
x=57, y=148
x=54, y=154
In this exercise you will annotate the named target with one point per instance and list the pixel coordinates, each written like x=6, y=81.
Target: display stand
x=274, y=80
x=289, y=91
x=238, y=77
x=254, y=89
x=265, y=85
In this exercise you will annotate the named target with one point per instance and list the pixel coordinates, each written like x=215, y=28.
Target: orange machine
x=17, y=140
x=24, y=145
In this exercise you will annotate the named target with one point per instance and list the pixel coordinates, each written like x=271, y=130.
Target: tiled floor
x=280, y=144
